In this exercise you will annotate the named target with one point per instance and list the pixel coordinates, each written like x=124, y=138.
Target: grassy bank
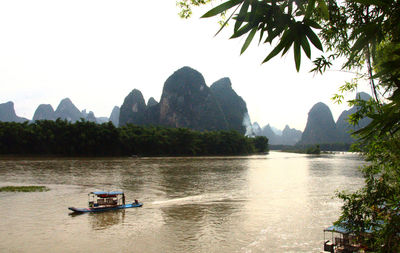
x=24, y=189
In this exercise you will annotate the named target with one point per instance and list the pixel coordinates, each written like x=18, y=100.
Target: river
x=279, y=202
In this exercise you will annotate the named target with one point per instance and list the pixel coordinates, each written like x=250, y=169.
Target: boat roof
x=337, y=229
x=343, y=230
x=107, y=193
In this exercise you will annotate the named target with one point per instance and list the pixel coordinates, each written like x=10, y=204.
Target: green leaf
x=283, y=42
x=371, y=2
x=287, y=47
x=273, y=34
x=312, y=23
x=246, y=28
x=324, y=8
x=290, y=7
x=274, y=52
x=310, y=9
x=297, y=54
x=299, y=4
x=221, y=8
x=262, y=30
x=313, y=38
x=306, y=46
x=361, y=42
x=287, y=39
x=226, y=22
x=248, y=40
x=241, y=15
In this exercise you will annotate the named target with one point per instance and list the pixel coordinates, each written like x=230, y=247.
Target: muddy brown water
x=279, y=202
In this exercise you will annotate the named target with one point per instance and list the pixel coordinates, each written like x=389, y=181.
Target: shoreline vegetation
x=29, y=188
x=328, y=148
x=61, y=138
x=311, y=150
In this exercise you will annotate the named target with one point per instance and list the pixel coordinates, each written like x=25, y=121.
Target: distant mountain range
x=287, y=136
x=187, y=101
x=66, y=110
x=321, y=128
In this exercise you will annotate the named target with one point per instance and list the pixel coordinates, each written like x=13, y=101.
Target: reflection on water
x=272, y=203
x=104, y=220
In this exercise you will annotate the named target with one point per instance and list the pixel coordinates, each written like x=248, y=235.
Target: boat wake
x=195, y=199
x=257, y=244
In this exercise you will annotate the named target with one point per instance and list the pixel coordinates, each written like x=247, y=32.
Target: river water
x=279, y=202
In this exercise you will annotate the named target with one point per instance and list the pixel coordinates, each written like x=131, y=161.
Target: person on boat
x=136, y=201
x=123, y=199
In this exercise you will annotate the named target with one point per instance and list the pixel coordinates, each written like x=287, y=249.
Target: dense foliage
x=325, y=147
x=85, y=138
x=30, y=188
x=366, y=34
x=315, y=150
x=373, y=212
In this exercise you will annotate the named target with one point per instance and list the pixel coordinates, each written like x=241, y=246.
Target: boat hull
x=103, y=209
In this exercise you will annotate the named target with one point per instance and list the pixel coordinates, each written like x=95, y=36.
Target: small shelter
x=106, y=199
x=341, y=240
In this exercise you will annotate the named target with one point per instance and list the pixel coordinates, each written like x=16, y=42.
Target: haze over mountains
x=188, y=102
x=66, y=110
x=288, y=136
x=321, y=128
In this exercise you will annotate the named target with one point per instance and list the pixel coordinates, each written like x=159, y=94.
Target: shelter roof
x=337, y=229
x=107, y=193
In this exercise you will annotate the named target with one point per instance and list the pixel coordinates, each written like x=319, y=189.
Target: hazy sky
x=95, y=52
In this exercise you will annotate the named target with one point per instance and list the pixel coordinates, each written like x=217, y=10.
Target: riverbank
x=86, y=139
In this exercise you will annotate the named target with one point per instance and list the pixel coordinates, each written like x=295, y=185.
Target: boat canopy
x=342, y=230
x=337, y=229
x=107, y=194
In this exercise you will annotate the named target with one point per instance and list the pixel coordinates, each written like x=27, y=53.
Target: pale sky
x=96, y=51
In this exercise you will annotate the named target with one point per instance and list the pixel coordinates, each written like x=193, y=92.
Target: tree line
x=85, y=138
x=303, y=148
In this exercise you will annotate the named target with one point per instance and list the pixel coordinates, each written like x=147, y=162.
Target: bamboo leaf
x=324, y=8
x=241, y=15
x=226, y=22
x=246, y=28
x=371, y=2
x=310, y=9
x=312, y=23
x=361, y=42
x=221, y=8
x=297, y=54
x=287, y=39
x=313, y=38
x=290, y=7
x=273, y=34
x=262, y=30
x=299, y=4
x=248, y=40
x=274, y=52
x=287, y=47
x=306, y=46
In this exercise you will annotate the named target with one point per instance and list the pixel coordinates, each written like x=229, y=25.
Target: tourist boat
x=100, y=201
